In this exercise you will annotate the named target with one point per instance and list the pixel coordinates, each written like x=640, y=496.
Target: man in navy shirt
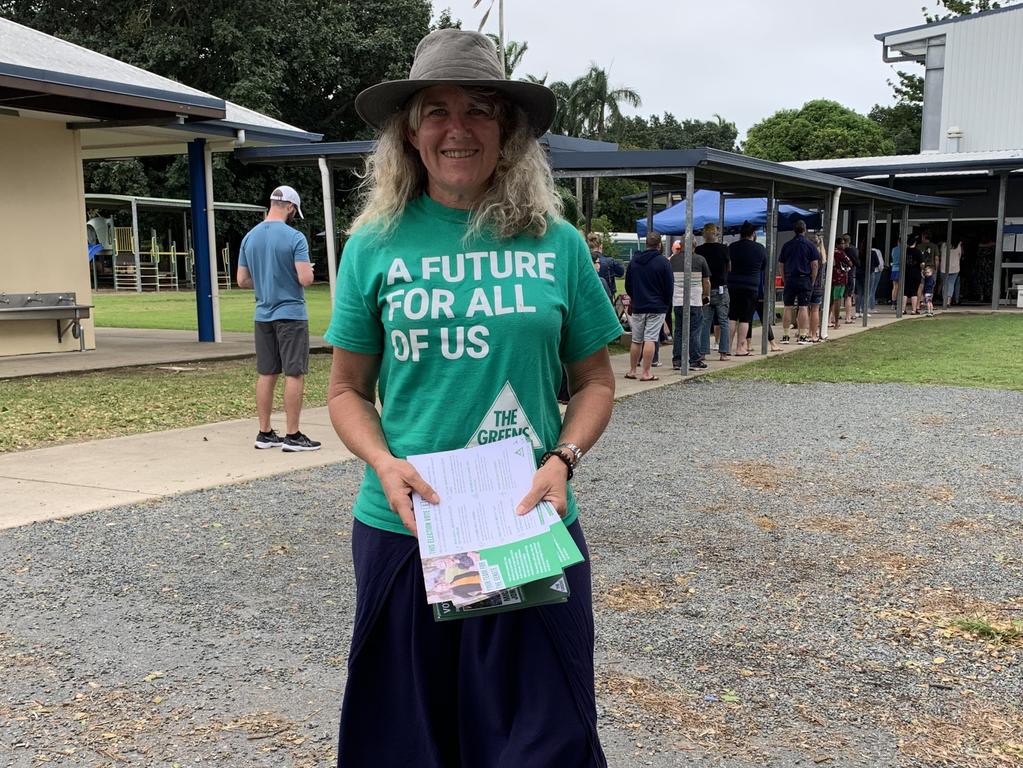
x=800, y=260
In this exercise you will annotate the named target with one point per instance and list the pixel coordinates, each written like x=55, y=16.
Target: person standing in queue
x=715, y=311
x=748, y=260
x=461, y=293
x=651, y=286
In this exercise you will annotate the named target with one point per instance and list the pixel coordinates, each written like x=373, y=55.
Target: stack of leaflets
x=478, y=556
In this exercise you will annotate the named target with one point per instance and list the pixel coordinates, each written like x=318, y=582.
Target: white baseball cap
x=288, y=195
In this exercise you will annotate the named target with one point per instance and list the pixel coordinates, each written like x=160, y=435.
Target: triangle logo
x=504, y=418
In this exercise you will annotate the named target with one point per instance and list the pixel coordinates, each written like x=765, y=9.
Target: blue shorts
x=504, y=691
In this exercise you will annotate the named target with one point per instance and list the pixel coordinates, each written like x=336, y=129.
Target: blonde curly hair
x=521, y=197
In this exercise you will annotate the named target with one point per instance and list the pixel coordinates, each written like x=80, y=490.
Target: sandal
x=630, y=376
x=652, y=378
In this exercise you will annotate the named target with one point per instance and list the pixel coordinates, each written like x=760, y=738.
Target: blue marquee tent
x=672, y=221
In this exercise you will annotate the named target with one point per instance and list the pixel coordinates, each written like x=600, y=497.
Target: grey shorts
x=646, y=327
x=282, y=346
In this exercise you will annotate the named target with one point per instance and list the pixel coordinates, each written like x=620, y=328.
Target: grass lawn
x=966, y=350
x=950, y=350
x=60, y=409
x=176, y=310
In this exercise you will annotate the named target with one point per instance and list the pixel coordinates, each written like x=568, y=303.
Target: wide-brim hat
x=456, y=57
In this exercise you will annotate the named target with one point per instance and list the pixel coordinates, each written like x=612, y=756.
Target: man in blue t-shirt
x=800, y=260
x=275, y=262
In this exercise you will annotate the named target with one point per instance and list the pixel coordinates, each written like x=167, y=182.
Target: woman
x=461, y=293
x=817, y=290
x=950, y=281
x=912, y=280
x=840, y=272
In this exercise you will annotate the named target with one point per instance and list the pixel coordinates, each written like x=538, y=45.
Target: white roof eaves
x=925, y=30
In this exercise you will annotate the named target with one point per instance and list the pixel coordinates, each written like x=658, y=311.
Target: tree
x=588, y=104
x=573, y=107
x=602, y=101
x=900, y=124
x=819, y=130
x=513, y=53
x=446, y=21
x=666, y=132
x=303, y=63
x=959, y=8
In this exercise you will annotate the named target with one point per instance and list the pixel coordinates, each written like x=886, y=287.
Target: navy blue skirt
x=503, y=691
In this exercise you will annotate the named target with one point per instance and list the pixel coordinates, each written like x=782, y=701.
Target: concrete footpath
x=49, y=483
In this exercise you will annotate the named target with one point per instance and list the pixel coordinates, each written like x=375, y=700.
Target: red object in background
x=778, y=282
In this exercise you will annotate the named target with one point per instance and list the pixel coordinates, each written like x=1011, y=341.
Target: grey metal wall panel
x=982, y=89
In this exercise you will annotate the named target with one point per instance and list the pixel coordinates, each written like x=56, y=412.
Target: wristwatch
x=574, y=450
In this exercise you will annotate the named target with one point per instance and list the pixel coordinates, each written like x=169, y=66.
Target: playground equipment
x=159, y=264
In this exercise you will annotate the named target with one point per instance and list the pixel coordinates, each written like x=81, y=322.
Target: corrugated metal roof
x=32, y=55
x=715, y=169
x=23, y=46
x=930, y=162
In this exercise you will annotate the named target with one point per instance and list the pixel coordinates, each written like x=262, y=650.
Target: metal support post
x=868, y=268
x=135, y=245
x=203, y=278
x=766, y=307
x=832, y=235
x=903, y=247
x=996, y=282
x=579, y=198
x=327, y=183
x=886, y=251
x=649, y=208
x=211, y=234
x=688, y=270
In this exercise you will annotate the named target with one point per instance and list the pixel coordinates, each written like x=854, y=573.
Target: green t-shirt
x=472, y=335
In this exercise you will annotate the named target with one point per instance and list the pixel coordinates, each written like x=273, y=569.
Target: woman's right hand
x=399, y=479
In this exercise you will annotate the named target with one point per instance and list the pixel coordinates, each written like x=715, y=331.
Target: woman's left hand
x=550, y=483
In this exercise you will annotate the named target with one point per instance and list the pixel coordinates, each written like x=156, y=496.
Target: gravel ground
x=768, y=591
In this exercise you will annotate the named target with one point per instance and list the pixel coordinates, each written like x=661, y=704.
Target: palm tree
x=573, y=107
x=513, y=53
x=603, y=100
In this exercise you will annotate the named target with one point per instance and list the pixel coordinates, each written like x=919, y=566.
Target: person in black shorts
x=800, y=260
x=749, y=260
x=274, y=261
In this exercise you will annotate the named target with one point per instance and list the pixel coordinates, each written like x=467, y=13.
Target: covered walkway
x=735, y=176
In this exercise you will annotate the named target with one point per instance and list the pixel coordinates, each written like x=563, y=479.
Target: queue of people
x=724, y=293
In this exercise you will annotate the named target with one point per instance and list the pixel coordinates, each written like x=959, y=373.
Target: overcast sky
x=741, y=59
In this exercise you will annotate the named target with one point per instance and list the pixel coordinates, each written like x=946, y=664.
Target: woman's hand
x=399, y=479
x=550, y=483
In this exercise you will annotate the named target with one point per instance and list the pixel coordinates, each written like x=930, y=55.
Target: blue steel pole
x=203, y=278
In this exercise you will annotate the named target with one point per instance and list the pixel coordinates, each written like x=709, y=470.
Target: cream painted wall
x=42, y=217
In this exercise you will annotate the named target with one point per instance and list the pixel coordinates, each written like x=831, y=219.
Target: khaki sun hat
x=456, y=57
